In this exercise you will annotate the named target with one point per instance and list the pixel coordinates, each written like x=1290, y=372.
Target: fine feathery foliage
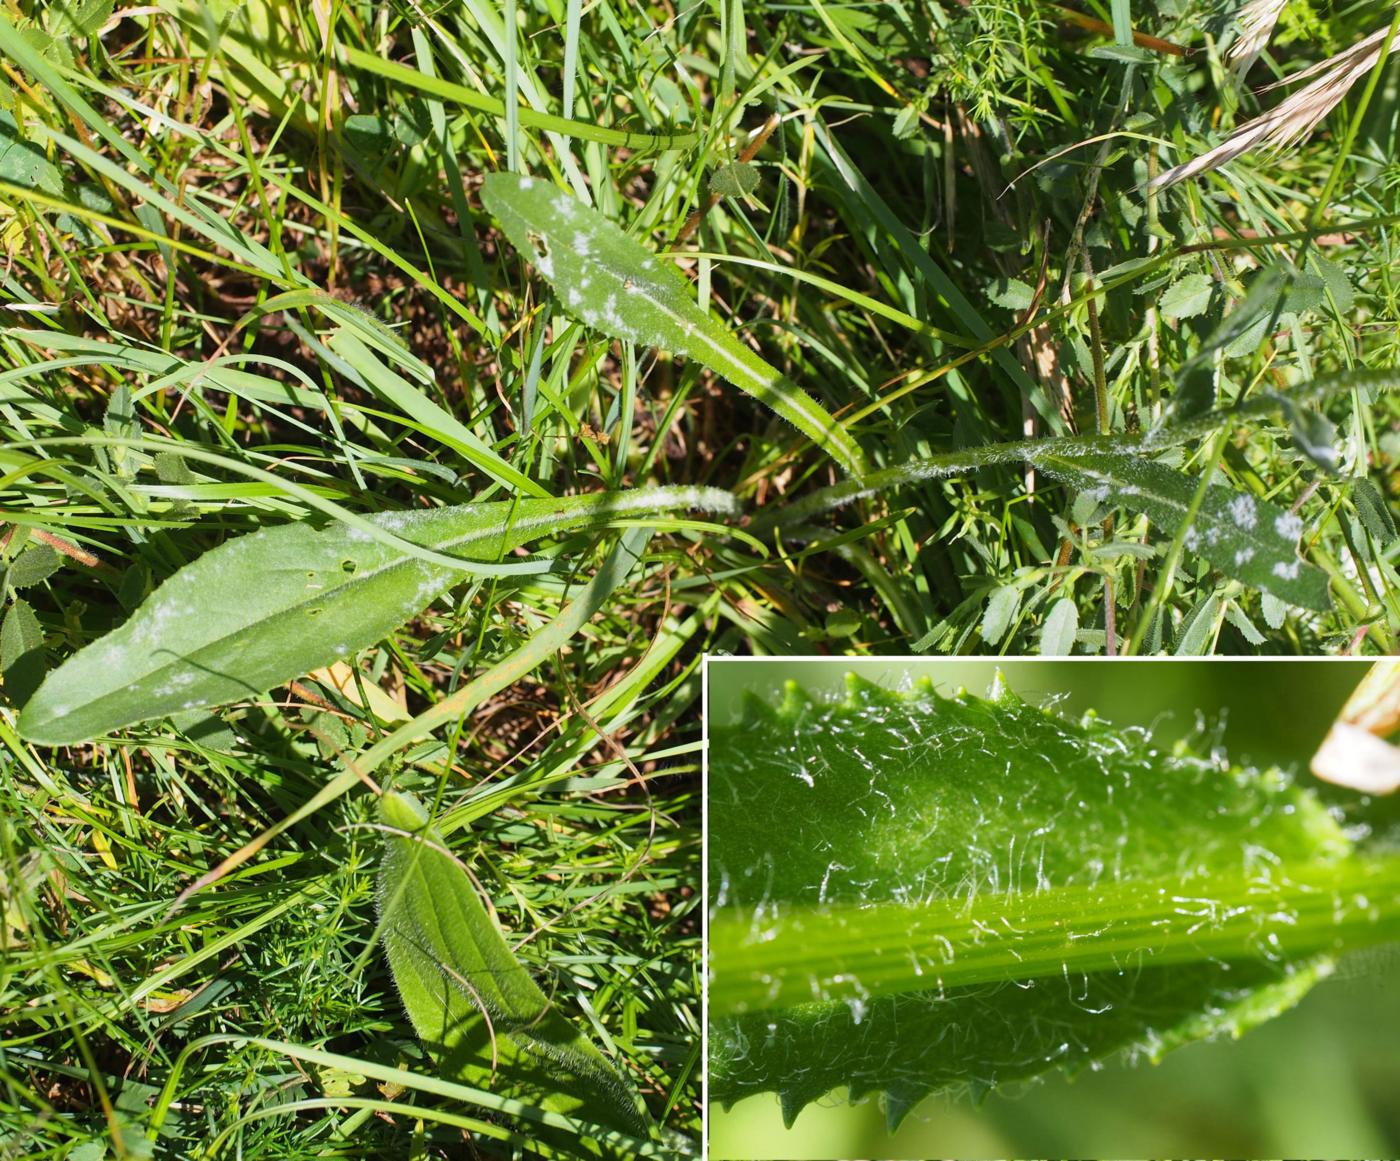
x=911, y=893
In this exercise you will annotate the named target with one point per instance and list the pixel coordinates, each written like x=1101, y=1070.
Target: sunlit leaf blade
x=470, y=1000
x=265, y=608
x=1247, y=538
x=617, y=286
x=982, y=817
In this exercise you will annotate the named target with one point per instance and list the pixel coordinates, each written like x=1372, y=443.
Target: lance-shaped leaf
x=470, y=1000
x=267, y=607
x=1247, y=538
x=910, y=893
x=617, y=286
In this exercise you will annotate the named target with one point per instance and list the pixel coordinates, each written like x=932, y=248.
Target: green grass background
x=1318, y=1081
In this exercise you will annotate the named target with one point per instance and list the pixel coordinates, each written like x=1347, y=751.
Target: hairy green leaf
x=21, y=651
x=910, y=893
x=738, y=179
x=1188, y=297
x=23, y=163
x=617, y=286
x=1247, y=538
x=34, y=565
x=470, y=1000
x=267, y=607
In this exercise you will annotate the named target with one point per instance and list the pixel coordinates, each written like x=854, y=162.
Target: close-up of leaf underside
x=912, y=893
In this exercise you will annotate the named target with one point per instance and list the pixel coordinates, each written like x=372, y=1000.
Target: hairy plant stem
x=855, y=953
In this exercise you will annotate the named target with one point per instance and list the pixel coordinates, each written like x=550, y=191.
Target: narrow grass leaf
x=275, y=604
x=395, y=389
x=617, y=286
x=461, y=95
x=469, y=999
x=1247, y=538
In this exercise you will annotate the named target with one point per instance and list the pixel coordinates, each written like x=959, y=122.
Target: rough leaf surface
x=914, y=798
x=1247, y=538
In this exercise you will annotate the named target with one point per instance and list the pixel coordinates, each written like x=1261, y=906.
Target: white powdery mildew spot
x=525, y=183
x=1287, y=571
x=1213, y=536
x=544, y=264
x=575, y=298
x=1192, y=539
x=1289, y=526
x=565, y=207
x=581, y=244
x=1243, y=512
x=1244, y=556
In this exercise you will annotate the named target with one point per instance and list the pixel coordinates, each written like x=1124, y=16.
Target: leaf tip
x=795, y=700
x=898, y=1102
x=860, y=691
x=402, y=811
x=1001, y=693
x=792, y=1102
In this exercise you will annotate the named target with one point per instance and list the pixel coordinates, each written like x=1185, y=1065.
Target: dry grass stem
x=1256, y=22
x=1295, y=117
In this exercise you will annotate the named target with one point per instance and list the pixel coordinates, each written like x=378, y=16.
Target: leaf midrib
x=858, y=951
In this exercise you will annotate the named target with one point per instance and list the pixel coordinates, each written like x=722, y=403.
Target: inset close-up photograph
x=1044, y=908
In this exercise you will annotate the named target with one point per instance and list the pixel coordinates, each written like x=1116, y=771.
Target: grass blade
x=532, y=118
x=393, y=387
